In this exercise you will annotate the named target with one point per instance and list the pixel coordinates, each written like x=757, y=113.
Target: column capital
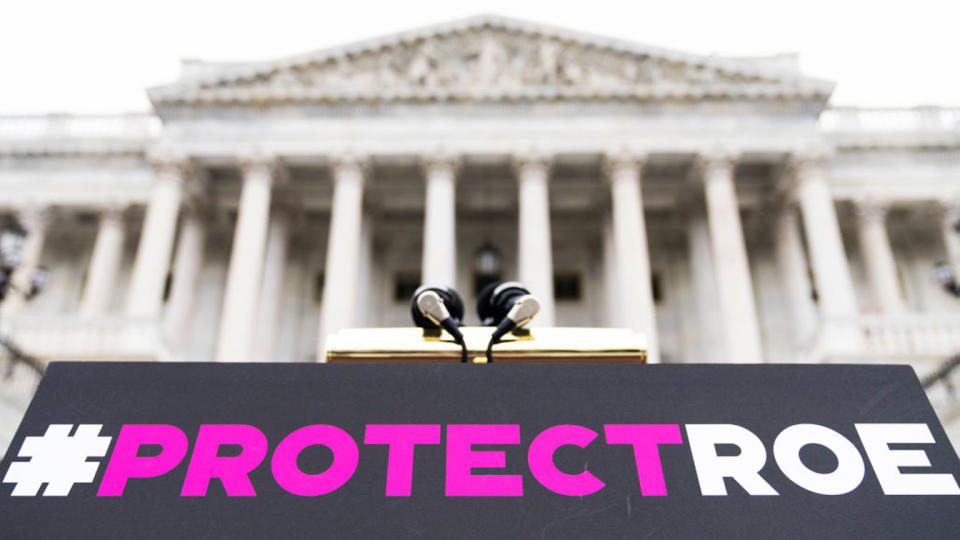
x=710, y=162
x=263, y=163
x=169, y=160
x=441, y=161
x=868, y=209
x=946, y=208
x=532, y=160
x=113, y=209
x=35, y=216
x=803, y=162
x=621, y=159
x=349, y=163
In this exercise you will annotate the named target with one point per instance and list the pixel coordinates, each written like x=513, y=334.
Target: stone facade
x=718, y=205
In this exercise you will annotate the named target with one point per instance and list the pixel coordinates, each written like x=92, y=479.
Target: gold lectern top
x=533, y=345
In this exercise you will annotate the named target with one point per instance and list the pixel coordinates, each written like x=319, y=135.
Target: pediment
x=487, y=59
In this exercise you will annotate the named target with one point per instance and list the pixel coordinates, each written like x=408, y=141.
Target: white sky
x=91, y=56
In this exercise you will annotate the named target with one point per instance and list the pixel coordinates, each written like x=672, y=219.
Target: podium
x=507, y=450
x=529, y=345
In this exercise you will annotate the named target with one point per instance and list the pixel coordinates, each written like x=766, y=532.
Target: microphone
x=507, y=305
x=439, y=307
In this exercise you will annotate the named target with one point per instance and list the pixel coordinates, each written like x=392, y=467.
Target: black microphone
x=439, y=307
x=507, y=306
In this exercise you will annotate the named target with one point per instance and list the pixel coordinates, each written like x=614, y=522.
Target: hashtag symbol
x=58, y=460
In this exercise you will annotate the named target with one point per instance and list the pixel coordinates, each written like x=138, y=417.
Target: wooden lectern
x=527, y=345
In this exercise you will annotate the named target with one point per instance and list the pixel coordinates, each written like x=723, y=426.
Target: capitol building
x=719, y=205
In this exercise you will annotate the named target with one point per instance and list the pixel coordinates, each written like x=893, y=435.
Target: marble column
x=703, y=278
x=364, y=316
x=633, y=258
x=187, y=264
x=949, y=218
x=35, y=221
x=792, y=264
x=611, y=277
x=271, y=288
x=535, y=245
x=734, y=284
x=98, y=292
x=340, y=287
x=152, y=262
x=838, y=304
x=878, y=257
x=439, y=222
x=239, y=313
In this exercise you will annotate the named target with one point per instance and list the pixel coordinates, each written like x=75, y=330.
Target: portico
x=693, y=199
x=399, y=200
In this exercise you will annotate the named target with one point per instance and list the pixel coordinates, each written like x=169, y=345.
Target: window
x=318, y=280
x=656, y=286
x=487, y=267
x=167, y=286
x=566, y=287
x=404, y=285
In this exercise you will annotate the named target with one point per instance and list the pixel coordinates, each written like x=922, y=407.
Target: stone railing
x=911, y=335
x=922, y=340
x=66, y=126
x=873, y=120
x=70, y=337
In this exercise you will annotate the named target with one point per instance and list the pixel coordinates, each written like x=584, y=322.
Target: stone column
x=734, y=285
x=703, y=277
x=792, y=263
x=611, y=277
x=878, y=256
x=35, y=221
x=439, y=222
x=535, y=248
x=838, y=305
x=145, y=297
x=239, y=313
x=343, y=252
x=364, y=314
x=949, y=218
x=271, y=289
x=104, y=263
x=187, y=264
x=632, y=256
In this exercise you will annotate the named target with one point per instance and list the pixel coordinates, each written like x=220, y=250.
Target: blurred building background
x=717, y=204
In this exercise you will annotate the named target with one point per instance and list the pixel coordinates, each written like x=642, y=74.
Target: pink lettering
x=125, y=464
x=233, y=471
x=545, y=471
x=646, y=439
x=462, y=459
x=401, y=439
x=291, y=478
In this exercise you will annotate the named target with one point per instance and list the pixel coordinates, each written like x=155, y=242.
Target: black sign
x=479, y=451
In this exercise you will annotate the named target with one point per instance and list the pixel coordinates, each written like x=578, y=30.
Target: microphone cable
x=522, y=311
x=430, y=304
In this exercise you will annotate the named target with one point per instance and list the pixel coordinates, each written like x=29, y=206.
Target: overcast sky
x=98, y=56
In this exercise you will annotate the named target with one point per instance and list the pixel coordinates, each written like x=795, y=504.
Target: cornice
x=77, y=148
x=225, y=84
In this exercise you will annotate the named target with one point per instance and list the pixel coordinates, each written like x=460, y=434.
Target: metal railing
x=943, y=385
